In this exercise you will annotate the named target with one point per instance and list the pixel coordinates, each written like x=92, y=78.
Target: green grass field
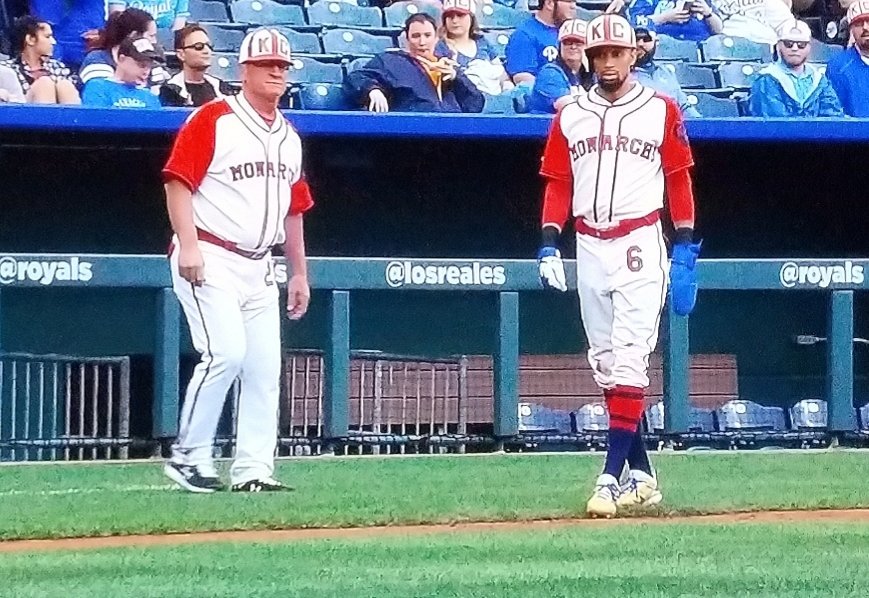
x=677, y=558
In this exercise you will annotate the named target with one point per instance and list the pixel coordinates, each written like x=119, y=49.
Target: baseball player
x=610, y=155
x=234, y=189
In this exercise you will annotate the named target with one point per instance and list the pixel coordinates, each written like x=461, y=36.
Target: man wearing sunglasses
x=790, y=86
x=193, y=86
x=651, y=74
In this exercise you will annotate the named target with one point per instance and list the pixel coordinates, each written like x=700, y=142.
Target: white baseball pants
x=622, y=286
x=235, y=324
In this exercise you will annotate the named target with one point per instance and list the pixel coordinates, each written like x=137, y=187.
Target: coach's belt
x=619, y=230
x=204, y=235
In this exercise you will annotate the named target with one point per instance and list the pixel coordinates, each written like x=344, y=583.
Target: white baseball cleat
x=640, y=490
x=603, y=501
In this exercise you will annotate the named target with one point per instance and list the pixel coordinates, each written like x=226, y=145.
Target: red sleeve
x=680, y=197
x=675, y=150
x=555, y=163
x=194, y=146
x=300, y=197
x=556, y=203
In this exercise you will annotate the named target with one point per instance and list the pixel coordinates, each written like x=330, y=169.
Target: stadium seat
x=809, y=414
x=701, y=420
x=225, y=66
x=538, y=418
x=710, y=106
x=508, y=3
x=591, y=418
x=496, y=16
x=748, y=415
x=266, y=12
x=323, y=96
x=208, y=10
x=586, y=14
x=739, y=75
x=864, y=417
x=341, y=14
x=349, y=42
x=692, y=77
x=308, y=70
x=396, y=14
x=498, y=40
x=302, y=43
x=500, y=104
x=721, y=48
x=165, y=38
x=357, y=63
x=821, y=52
x=670, y=48
x=225, y=39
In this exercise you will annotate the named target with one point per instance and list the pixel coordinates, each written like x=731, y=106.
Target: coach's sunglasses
x=199, y=46
x=790, y=44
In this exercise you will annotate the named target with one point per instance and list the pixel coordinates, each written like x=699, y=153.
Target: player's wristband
x=684, y=235
x=549, y=236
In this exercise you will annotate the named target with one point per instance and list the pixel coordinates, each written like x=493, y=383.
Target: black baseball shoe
x=261, y=485
x=202, y=480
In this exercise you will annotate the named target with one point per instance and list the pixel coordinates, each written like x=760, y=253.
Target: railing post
x=677, y=368
x=164, y=410
x=840, y=362
x=336, y=362
x=506, y=366
x=1, y=320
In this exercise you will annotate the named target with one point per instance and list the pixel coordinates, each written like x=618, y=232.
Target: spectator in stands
x=75, y=24
x=681, y=19
x=661, y=79
x=789, y=86
x=535, y=41
x=462, y=41
x=100, y=63
x=561, y=81
x=756, y=20
x=168, y=14
x=849, y=71
x=193, y=86
x=43, y=79
x=414, y=80
x=136, y=58
x=10, y=88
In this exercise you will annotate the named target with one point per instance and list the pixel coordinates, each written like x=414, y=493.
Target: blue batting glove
x=683, y=277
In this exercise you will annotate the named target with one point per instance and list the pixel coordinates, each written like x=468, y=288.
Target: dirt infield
x=291, y=535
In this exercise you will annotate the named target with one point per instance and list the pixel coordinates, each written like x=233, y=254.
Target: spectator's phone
x=684, y=5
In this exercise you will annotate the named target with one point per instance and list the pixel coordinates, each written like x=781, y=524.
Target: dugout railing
x=507, y=279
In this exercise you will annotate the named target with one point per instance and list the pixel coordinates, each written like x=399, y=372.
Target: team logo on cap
x=265, y=44
x=610, y=30
x=858, y=11
x=573, y=29
x=465, y=7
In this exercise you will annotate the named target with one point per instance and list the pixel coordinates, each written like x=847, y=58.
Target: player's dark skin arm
x=179, y=204
x=298, y=291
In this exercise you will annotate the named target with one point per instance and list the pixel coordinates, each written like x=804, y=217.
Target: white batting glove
x=551, y=269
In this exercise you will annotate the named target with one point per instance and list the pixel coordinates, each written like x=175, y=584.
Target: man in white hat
x=234, y=189
x=849, y=71
x=790, y=86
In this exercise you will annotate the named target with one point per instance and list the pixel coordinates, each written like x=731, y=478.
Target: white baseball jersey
x=242, y=191
x=617, y=154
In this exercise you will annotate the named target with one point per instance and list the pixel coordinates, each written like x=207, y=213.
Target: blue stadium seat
x=323, y=96
x=591, y=418
x=821, y=52
x=670, y=48
x=864, y=417
x=538, y=418
x=398, y=12
x=700, y=420
x=309, y=70
x=739, y=75
x=266, y=12
x=341, y=14
x=692, y=77
x=225, y=39
x=208, y=10
x=747, y=415
x=225, y=66
x=498, y=40
x=586, y=14
x=500, y=104
x=496, y=16
x=302, y=43
x=721, y=48
x=350, y=42
x=508, y=3
x=710, y=106
x=809, y=414
x=165, y=38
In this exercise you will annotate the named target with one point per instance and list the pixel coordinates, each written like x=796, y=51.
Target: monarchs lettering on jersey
x=250, y=170
x=607, y=143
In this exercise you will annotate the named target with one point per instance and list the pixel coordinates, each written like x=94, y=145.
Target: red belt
x=619, y=230
x=204, y=235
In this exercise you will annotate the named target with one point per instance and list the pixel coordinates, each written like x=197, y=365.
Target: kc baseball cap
x=610, y=30
x=858, y=11
x=462, y=7
x=794, y=30
x=265, y=44
x=573, y=29
x=139, y=49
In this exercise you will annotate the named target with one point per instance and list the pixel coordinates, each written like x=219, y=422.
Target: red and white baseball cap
x=573, y=29
x=858, y=11
x=610, y=30
x=265, y=44
x=462, y=7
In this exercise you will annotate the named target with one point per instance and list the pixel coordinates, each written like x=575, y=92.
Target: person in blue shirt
x=535, y=41
x=168, y=14
x=789, y=86
x=559, y=82
x=73, y=22
x=650, y=74
x=124, y=89
x=849, y=70
x=681, y=19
